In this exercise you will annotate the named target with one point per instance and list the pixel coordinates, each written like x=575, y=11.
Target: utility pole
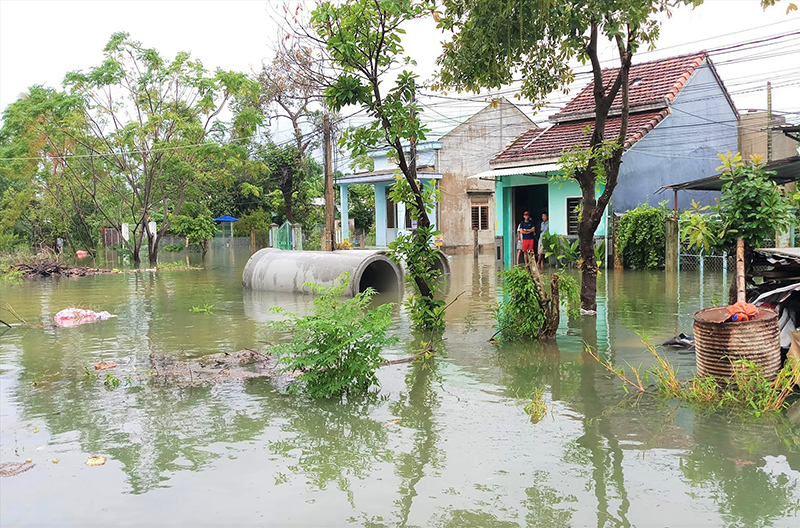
x=769, y=121
x=329, y=240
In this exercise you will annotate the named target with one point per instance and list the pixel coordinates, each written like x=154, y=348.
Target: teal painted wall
x=557, y=204
x=557, y=194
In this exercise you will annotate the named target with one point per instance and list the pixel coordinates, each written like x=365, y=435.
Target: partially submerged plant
x=536, y=408
x=527, y=310
x=747, y=391
x=336, y=350
x=204, y=308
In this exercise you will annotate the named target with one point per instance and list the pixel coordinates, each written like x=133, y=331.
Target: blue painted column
x=431, y=184
x=380, y=214
x=345, y=212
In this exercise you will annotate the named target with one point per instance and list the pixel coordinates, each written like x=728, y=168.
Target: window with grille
x=573, y=209
x=480, y=217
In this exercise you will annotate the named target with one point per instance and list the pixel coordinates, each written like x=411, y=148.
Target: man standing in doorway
x=543, y=228
x=526, y=230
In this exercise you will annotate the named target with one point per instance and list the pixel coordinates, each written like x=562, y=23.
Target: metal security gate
x=285, y=236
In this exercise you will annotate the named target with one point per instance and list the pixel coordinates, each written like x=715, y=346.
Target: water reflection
x=444, y=443
x=415, y=409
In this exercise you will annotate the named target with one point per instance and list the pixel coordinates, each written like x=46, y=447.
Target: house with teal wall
x=680, y=117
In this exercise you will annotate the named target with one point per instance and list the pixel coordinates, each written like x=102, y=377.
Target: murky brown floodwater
x=442, y=444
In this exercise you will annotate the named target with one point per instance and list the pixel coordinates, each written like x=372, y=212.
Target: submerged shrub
x=335, y=350
x=522, y=314
x=641, y=238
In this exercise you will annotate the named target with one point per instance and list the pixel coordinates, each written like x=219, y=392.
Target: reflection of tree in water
x=725, y=464
x=415, y=409
x=603, y=449
x=543, y=506
x=336, y=440
x=532, y=365
x=152, y=430
x=637, y=299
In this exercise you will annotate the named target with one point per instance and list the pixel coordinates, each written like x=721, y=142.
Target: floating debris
x=103, y=365
x=12, y=469
x=70, y=317
x=96, y=461
x=46, y=267
x=217, y=368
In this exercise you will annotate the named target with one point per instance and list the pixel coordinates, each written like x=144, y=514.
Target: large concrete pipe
x=287, y=271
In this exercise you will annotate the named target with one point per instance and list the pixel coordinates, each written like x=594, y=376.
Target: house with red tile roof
x=680, y=117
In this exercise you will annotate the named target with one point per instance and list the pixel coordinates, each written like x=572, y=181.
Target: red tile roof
x=536, y=143
x=658, y=80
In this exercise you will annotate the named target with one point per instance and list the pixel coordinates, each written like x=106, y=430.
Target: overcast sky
x=42, y=40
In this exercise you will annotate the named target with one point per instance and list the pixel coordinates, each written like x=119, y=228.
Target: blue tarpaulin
x=226, y=218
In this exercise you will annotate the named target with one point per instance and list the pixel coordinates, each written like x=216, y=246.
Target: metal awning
x=786, y=170
x=547, y=169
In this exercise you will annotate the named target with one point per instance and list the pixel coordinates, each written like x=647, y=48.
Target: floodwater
x=445, y=443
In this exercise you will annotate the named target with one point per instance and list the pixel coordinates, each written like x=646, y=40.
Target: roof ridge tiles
x=660, y=82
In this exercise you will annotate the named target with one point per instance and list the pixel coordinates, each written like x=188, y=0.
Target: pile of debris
x=217, y=368
x=47, y=267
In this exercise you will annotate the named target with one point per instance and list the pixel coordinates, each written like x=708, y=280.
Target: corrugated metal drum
x=718, y=345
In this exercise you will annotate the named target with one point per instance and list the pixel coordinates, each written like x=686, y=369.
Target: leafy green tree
x=139, y=133
x=363, y=40
x=361, y=199
x=752, y=206
x=491, y=43
x=37, y=201
x=197, y=230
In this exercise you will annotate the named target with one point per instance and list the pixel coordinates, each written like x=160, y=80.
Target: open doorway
x=531, y=198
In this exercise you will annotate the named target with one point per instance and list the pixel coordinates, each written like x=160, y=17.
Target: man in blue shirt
x=526, y=231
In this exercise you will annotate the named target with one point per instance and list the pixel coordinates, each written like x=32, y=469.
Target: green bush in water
x=337, y=348
x=641, y=237
x=521, y=314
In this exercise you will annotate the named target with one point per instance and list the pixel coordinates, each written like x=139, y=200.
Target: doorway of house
x=531, y=198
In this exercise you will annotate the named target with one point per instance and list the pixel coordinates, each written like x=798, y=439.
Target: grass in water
x=748, y=391
x=205, y=308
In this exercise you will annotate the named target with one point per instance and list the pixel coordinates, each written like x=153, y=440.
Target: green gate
x=285, y=236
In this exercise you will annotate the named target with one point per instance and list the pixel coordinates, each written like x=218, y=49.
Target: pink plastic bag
x=77, y=316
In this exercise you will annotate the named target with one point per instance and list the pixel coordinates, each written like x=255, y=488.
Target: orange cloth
x=742, y=311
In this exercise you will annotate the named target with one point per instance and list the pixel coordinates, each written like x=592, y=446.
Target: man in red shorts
x=526, y=230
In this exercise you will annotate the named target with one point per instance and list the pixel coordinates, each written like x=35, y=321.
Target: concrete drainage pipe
x=287, y=271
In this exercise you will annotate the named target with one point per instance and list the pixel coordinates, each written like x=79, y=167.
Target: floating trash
x=96, y=461
x=70, y=317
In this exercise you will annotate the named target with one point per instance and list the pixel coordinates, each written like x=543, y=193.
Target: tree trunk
x=152, y=248
x=588, y=271
x=548, y=303
x=286, y=191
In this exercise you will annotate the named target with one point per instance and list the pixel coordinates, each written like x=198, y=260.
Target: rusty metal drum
x=719, y=344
